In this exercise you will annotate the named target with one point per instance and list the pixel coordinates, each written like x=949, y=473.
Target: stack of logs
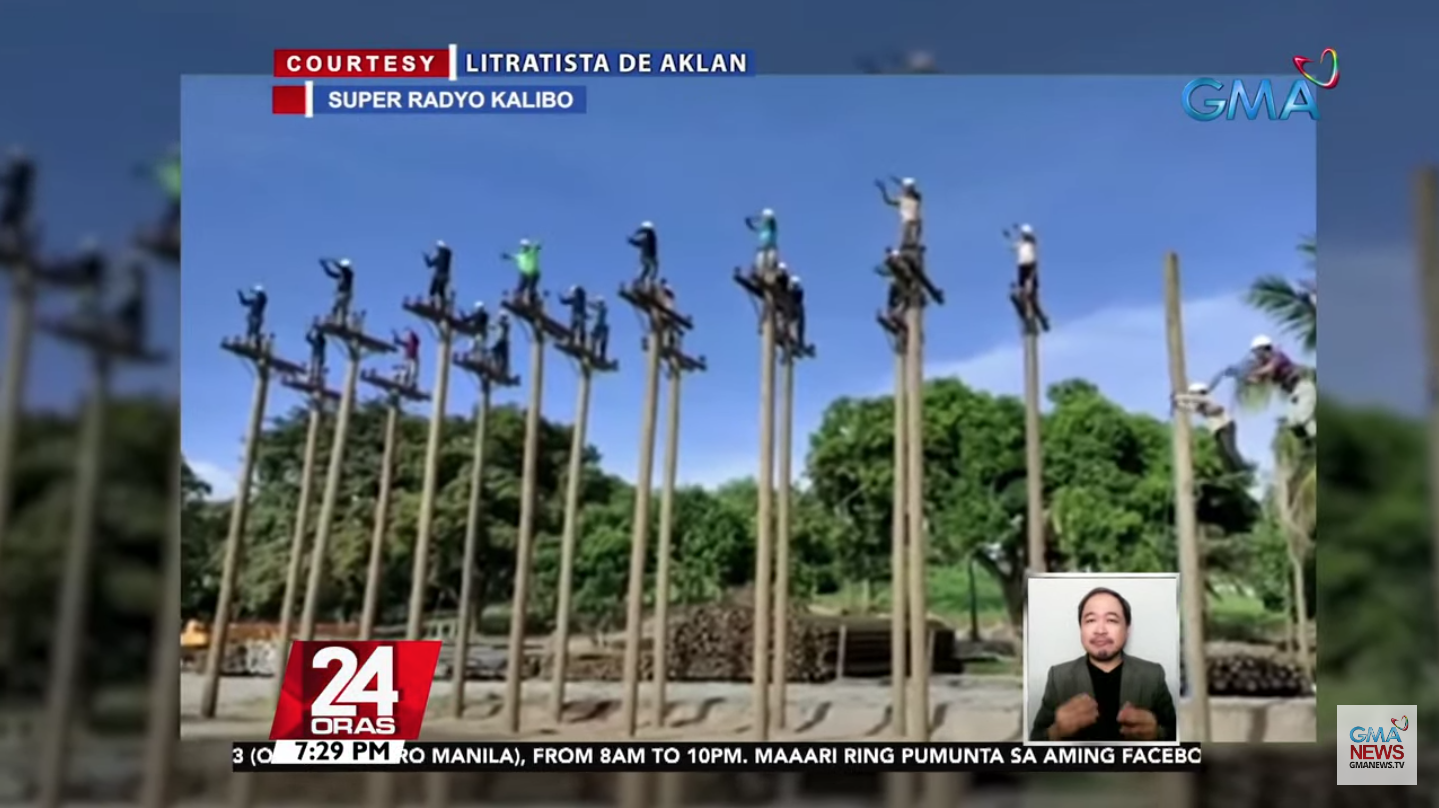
x=1255, y=676
x=714, y=643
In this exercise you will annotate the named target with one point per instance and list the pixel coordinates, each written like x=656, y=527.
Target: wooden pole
x=329, y=500
x=369, y=611
x=243, y=792
x=20, y=333
x=780, y=673
x=419, y=577
x=918, y=541
x=472, y=545
x=1033, y=451
x=74, y=591
x=665, y=549
x=634, y=605
x=1426, y=256
x=568, y=538
x=234, y=541
x=525, y=541
x=164, y=721
x=298, y=533
x=764, y=550
x=1191, y=562
x=898, y=580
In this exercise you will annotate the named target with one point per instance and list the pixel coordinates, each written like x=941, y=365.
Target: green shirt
x=527, y=260
x=168, y=173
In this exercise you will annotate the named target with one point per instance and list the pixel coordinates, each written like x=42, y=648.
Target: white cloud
x=1123, y=351
x=223, y=483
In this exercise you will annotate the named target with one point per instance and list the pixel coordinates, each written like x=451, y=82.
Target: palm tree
x=1294, y=306
x=1292, y=500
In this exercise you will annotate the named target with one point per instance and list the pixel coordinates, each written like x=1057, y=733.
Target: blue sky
x=1109, y=171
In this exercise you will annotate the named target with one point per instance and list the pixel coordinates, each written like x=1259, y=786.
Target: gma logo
x=1211, y=107
x=1375, y=735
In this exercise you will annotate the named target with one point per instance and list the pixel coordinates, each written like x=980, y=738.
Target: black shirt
x=1106, y=694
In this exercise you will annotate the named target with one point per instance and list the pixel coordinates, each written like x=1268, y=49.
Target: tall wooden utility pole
x=442, y=315
x=1191, y=562
x=1033, y=448
x=260, y=356
x=893, y=324
x=1426, y=256
x=477, y=362
x=318, y=398
x=542, y=328
x=662, y=320
x=108, y=346
x=912, y=291
x=588, y=363
x=678, y=363
x=790, y=351
x=395, y=395
x=349, y=330
x=763, y=286
x=163, y=724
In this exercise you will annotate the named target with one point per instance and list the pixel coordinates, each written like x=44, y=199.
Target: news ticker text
x=487, y=756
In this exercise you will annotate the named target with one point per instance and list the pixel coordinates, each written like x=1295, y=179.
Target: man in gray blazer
x=1105, y=695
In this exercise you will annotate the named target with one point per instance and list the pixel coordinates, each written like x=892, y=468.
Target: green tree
x=1293, y=306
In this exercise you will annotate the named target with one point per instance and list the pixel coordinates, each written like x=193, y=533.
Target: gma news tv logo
x=1378, y=745
x=1205, y=99
x=355, y=690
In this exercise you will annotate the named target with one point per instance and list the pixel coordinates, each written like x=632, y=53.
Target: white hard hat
x=1199, y=387
x=439, y=242
x=479, y=304
x=907, y=182
x=259, y=287
x=783, y=265
x=768, y=213
x=1026, y=230
x=344, y=262
x=524, y=242
x=794, y=281
x=1261, y=341
x=647, y=225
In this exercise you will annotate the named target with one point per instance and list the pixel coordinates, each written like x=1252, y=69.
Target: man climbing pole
x=440, y=277
x=1266, y=364
x=18, y=199
x=910, y=203
x=409, y=344
x=767, y=228
x=600, y=331
x=316, y=340
x=500, y=349
x=478, y=321
x=527, y=261
x=1026, y=255
x=254, y=304
x=899, y=269
x=1217, y=419
x=344, y=277
x=794, y=311
x=578, y=302
x=130, y=315
x=666, y=296
x=648, y=243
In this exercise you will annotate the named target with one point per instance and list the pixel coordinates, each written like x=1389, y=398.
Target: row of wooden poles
x=164, y=707
x=92, y=331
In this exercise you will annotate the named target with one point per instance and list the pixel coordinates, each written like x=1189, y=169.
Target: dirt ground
x=963, y=708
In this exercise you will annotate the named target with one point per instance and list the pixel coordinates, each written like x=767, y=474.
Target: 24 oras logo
x=1301, y=97
x=362, y=691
